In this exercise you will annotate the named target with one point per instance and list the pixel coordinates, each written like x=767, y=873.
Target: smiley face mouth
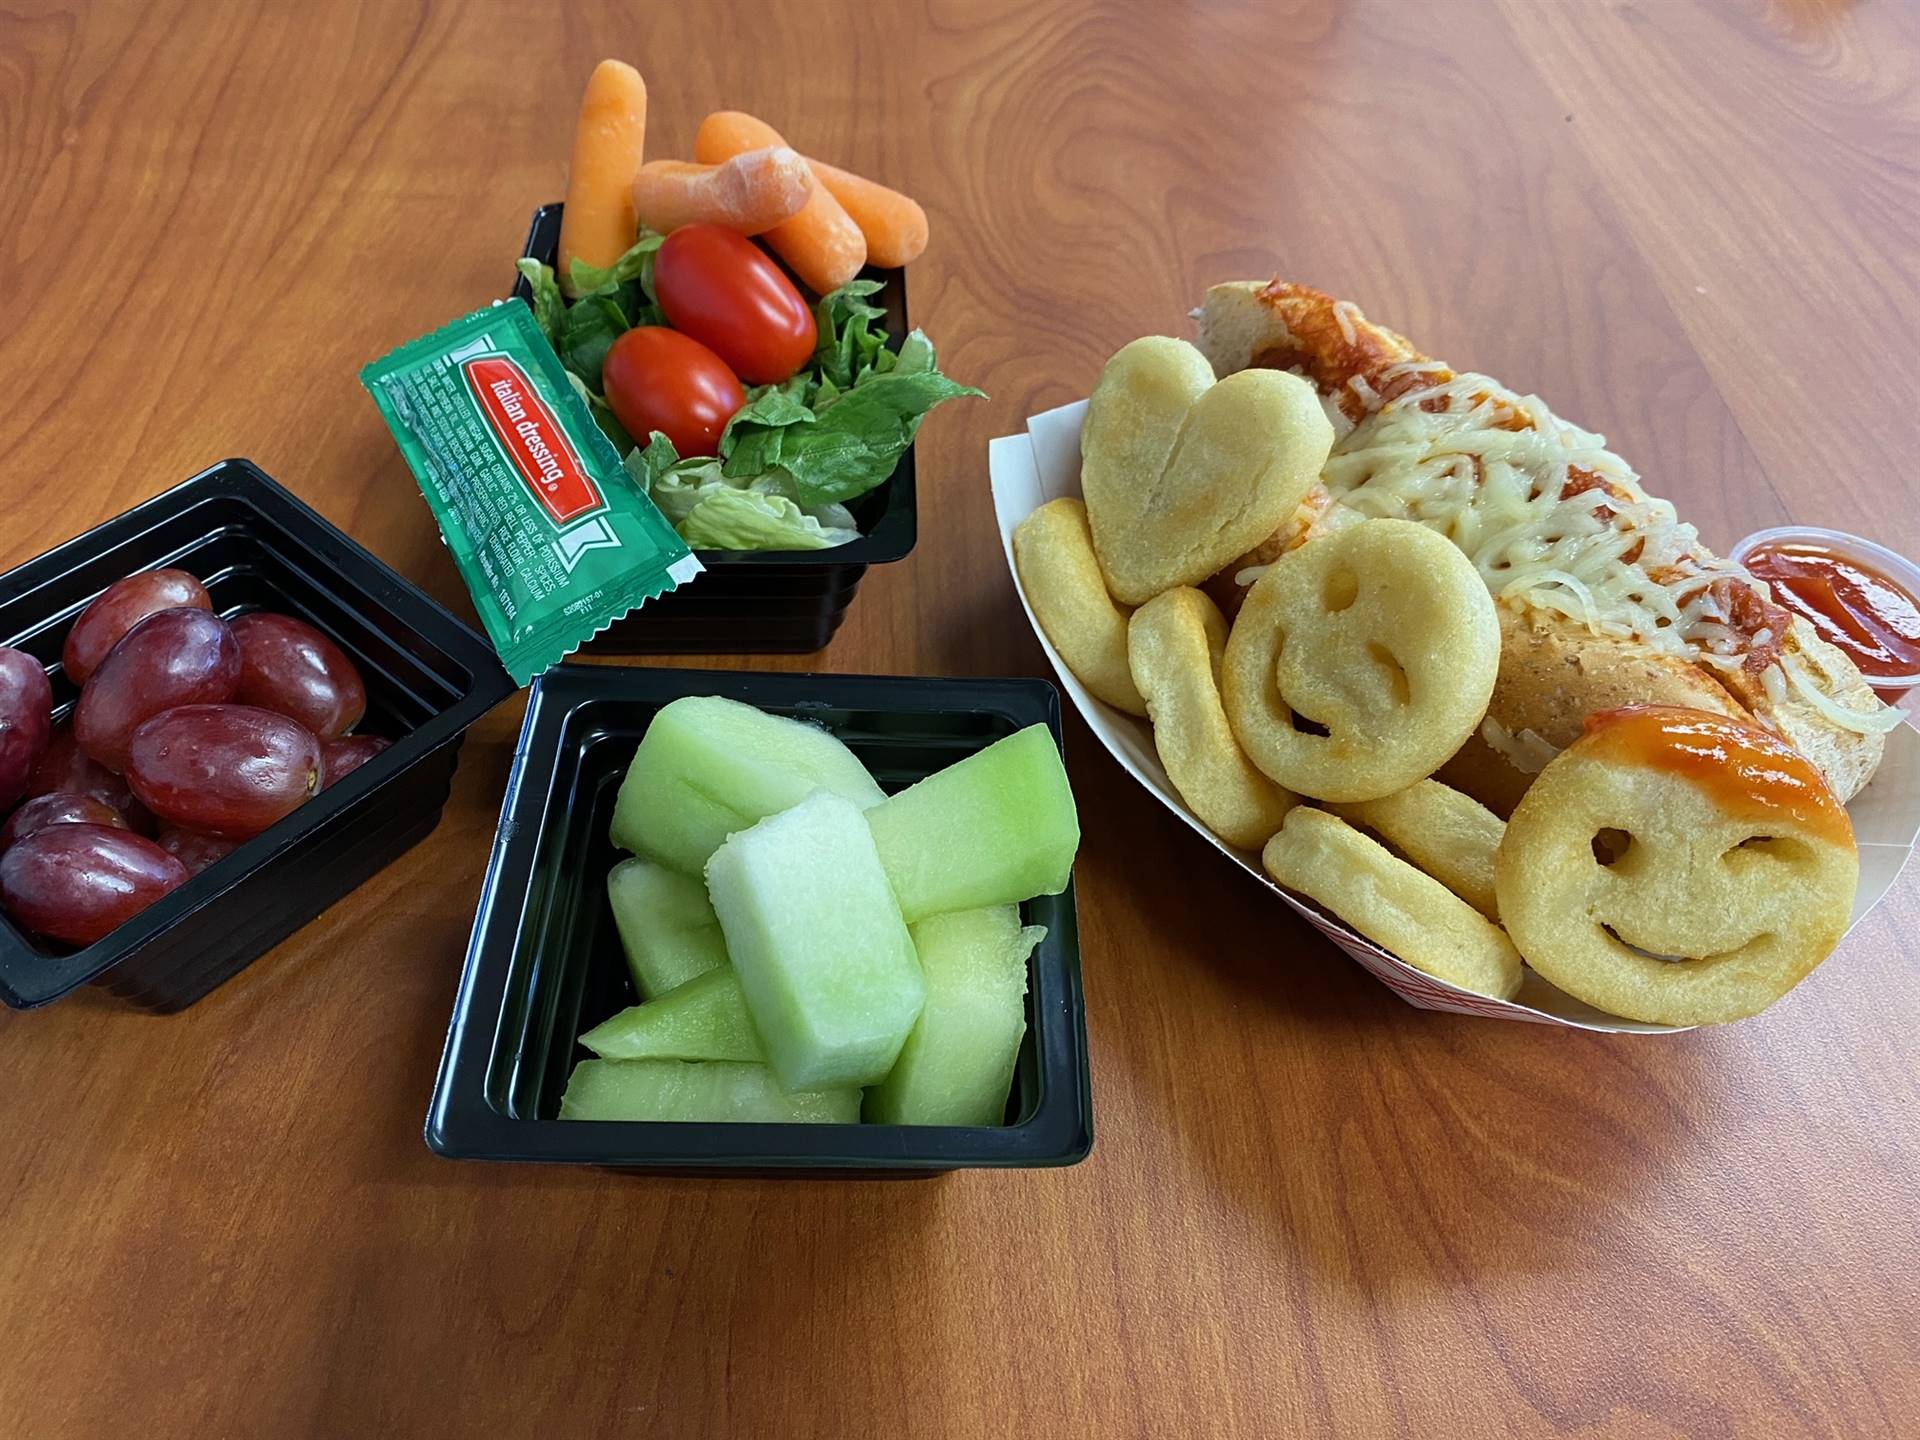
x=1652, y=954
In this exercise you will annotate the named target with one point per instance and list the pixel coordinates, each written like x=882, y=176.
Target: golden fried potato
x=1181, y=474
x=1451, y=836
x=1174, y=643
x=1677, y=867
x=1391, y=903
x=1053, y=550
x=1361, y=661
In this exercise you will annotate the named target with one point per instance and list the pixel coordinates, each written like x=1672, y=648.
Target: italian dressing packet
x=549, y=532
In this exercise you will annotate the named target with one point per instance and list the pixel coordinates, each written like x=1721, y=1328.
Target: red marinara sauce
x=1852, y=606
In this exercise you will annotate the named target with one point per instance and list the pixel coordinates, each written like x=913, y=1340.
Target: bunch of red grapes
x=191, y=735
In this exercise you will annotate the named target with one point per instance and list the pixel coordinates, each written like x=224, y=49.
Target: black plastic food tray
x=764, y=602
x=429, y=677
x=545, y=964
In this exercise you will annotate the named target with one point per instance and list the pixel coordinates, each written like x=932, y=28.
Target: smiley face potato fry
x=1361, y=661
x=1391, y=903
x=1677, y=867
x=1174, y=643
x=1182, y=473
x=1053, y=551
x=1451, y=836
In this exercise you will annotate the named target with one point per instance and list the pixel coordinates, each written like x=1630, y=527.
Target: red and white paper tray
x=1044, y=464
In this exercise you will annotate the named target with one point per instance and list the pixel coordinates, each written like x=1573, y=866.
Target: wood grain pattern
x=1311, y=1211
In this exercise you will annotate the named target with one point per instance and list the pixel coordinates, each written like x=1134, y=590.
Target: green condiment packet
x=550, y=533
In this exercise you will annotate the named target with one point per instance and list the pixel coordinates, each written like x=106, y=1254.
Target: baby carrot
x=751, y=193
x=821, y=243
x=895, y=227
x=598, y=225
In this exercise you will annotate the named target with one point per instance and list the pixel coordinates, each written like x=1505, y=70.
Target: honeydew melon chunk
x=709, y=766
x=709, y=1090
x=824, y=959
x=667, y=926
x=704, y=1019
x=957, y=1066
x=996, y=828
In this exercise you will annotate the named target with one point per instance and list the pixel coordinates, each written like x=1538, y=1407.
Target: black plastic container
x=545, y=963
x=428, y=677
x=764, y=602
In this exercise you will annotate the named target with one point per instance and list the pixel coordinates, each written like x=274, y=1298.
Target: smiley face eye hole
x=1778, y=847
x=1309, y=727
x=1610, y=846
x=1340, y=589
x=1396, y=672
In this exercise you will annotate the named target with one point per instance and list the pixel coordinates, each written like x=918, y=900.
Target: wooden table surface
x=1310, y=1209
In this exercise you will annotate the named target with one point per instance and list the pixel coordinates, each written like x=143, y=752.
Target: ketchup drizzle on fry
x=1750, y=771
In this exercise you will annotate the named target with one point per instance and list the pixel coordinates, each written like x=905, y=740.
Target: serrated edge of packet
x=572, y=637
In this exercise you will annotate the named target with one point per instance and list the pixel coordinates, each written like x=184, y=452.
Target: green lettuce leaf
x=549, y=307
x=851, y=343
x=602, y=413
x=714, y=512
x=635, y=266
x=587, y=331
x=848, y=442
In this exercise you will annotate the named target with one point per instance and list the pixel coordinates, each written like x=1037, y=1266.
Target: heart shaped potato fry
x=1053, y=550
x=1677, y=867
x=1174, y=643
x=1182, y=474
x=1360, y=662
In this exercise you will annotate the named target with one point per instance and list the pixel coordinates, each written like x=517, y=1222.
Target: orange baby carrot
x=751, y=193
x=598, y=225
x=894, y=226
x=821, y=243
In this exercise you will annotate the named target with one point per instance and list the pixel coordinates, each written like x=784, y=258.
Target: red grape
x=225, y=770
x=120, y=607
x=344, y=756
x=176, y=657
x=59, y=808
x=26, y=720
x=288, y=666
x=65, y=767
x=195, y=851
x=78, y=882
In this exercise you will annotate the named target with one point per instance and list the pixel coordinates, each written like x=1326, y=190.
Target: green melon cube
x=709, y=1090
x=957, y=1066
x=667, y=926
x=708, y=767
x=997, y=828
x=824, y=960
x=704, y=1019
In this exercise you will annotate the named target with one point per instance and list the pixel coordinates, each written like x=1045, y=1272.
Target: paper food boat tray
x=1044, y=464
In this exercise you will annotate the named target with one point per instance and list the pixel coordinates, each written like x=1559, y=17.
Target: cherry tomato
x=725, y=291
x=659, y=379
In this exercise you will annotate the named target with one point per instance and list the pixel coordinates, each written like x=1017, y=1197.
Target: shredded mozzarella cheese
x=1550, y=517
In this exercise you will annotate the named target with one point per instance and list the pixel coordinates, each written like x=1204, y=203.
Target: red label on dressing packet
x=531, y=436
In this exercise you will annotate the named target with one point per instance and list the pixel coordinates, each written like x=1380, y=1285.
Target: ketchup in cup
x=1861, y=598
